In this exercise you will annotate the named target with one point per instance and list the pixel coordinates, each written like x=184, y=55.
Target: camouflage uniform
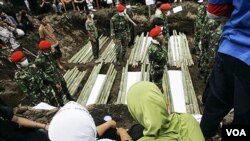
x=165, y=27
x=158, y=59
x=52, y=76
x=90, y=27
x=200, y=17
x=120, y=29
x=31, y=84
x=210, y=36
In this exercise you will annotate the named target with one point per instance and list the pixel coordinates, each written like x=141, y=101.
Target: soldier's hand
x=94, y=40
x=59, y=87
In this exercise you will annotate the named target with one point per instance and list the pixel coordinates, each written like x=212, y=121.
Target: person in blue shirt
x=229, y=83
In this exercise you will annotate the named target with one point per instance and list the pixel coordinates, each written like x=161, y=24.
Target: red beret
x=165, y=7
x=155, y=31
x=44, y=44
x=120, y=8
x=17, y=56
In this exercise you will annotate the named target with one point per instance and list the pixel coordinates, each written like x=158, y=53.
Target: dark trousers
x=132, y=34
x=228, y=87
x=95, y=47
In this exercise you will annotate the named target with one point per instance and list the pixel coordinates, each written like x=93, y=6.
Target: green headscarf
x=147, y=105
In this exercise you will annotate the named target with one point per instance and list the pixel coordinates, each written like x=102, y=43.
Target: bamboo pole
x=84, y=95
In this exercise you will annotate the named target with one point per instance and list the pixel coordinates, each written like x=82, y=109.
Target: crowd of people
x=42, y=79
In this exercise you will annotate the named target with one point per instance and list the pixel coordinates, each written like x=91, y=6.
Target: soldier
x=50, y=72
x=163, y=15
x=28, y=78
x=200, y=17
x=93, y=34
x=120, y=33
x=157, y=56
x=130, y=14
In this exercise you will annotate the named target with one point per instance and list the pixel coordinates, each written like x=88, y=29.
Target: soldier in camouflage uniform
x=157, y=56
x=93, y=34
x=200, y=17
x=50, y=72
x=29, y=80
x=120, y=32
x=163, y=15
x=210, y=36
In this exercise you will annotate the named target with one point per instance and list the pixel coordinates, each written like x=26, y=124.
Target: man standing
x=51, y=75
x=46, y=32
x=130, y=14
x=29, y=80
x=157, y=56
x=228, y=85
x=120, y=33
x=93, y=34
x=163, y=15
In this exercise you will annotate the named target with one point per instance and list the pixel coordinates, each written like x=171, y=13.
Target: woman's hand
x=112, y=123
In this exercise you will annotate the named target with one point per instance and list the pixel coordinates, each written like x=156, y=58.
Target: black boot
x=70, y=98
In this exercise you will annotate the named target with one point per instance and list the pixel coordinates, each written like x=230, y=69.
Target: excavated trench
x=73, y=36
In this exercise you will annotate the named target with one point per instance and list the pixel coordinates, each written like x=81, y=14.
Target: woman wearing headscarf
x=147, y=105
x=74, y=123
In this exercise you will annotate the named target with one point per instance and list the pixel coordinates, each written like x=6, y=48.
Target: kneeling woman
x=147, y=105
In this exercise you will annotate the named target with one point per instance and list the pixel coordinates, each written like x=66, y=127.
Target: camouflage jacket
x=157, y=54
x=28, y=79
x=47, y=65
x=119, y=26
x=90, y=26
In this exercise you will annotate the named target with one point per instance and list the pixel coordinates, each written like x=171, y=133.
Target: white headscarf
x=72, y=123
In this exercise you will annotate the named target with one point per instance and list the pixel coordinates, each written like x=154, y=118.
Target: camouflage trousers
x=95, y=48
x=43, y=94
x=205, y=64
x=49, y=96
x=197, y=38
x=121, y=45
x=64, y=91
x=156, y=74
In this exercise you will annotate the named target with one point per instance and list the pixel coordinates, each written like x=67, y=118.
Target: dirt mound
x=118, y=112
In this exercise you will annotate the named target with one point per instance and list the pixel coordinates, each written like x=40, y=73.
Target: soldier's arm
x=39, y=62
x=22, y=86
